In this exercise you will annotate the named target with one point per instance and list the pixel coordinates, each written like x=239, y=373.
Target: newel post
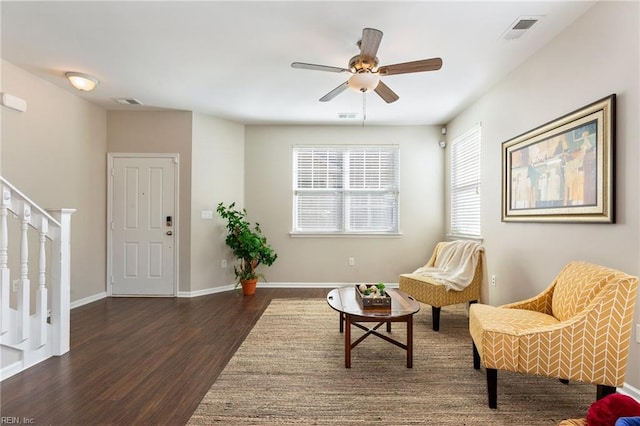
x=61, y=273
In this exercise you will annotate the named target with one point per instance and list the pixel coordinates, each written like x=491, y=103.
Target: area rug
x=290, y=370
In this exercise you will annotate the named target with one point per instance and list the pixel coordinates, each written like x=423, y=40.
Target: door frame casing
x=111, y=156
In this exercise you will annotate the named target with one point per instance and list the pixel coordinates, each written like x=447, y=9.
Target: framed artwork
x=562, y=171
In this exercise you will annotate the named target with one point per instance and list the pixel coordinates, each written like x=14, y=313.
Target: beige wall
x=55, y=153
x=268, y=198
x=217, y=176
x=593, y=58
x=160, y=132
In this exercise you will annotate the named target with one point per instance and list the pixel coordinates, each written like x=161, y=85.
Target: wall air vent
x=520, y=27
x=127, y=101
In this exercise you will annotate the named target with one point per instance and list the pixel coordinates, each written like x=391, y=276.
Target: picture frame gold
x=562, y=171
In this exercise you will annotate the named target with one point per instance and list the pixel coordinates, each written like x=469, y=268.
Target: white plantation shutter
x=464, y=190
x=345, y=189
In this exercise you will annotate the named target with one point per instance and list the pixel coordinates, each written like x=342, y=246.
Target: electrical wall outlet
x=223, y=264
x=637, y=333
x=14, y=285
x=352, y=261
x=493, y=280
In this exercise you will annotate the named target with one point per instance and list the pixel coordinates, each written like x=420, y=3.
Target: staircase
x=34, y=299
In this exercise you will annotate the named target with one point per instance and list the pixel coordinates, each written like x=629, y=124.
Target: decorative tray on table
x=372, y=296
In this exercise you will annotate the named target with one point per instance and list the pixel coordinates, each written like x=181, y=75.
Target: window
x=464, y=189
x=345, y=189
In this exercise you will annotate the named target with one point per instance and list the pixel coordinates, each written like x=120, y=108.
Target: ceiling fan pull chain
x=364, y=108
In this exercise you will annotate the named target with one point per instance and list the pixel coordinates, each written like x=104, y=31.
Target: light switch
x=206, y=214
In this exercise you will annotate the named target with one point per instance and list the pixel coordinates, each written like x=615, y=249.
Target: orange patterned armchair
x=579, y=329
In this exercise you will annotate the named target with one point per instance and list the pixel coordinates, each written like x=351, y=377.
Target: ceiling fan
x=364, y=70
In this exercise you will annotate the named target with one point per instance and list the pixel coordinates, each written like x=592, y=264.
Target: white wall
x=217, y=176
x=596, y=56
x=55, y=153
x=268, y=199
x=160, y=132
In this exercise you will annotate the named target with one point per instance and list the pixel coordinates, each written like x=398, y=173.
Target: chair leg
x=492, y=379
x=603, y=390
x=492, y=387
x=435, y=317
x=476, y=357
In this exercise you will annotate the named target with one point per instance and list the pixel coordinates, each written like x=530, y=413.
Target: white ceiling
x=232, y=59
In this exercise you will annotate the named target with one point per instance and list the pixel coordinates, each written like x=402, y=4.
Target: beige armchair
x=427, y=291
x=578, y=329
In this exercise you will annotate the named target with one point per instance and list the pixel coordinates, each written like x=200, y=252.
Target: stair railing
x=46, y=333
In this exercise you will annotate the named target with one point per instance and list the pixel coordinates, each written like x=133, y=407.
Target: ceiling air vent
x=520, y=26
x=127, y=101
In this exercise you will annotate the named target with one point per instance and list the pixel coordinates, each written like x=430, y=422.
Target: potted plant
x=248, y=245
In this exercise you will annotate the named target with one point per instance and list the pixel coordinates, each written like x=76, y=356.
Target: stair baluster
x=41, y=298
x=24, y=288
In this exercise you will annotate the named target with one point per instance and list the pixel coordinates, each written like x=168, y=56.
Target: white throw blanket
x=455, y=265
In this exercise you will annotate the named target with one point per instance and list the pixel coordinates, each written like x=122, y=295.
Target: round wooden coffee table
x=403, y=307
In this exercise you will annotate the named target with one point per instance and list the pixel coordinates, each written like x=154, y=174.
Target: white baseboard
x=206, y=291
x=313, y=285
x=230, y=287
x=10, y=370
x=631, y=391
x=87, y=300
x=221, y=289
x=214, y=290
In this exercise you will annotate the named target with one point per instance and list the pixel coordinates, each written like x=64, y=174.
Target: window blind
x=345, y=189
x=464, y=190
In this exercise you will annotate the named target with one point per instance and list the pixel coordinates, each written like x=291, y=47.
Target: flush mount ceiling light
x=83, y=82
x=364, y=81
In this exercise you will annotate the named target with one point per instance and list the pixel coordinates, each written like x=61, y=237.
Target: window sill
x=452, y=237
x=345, y=234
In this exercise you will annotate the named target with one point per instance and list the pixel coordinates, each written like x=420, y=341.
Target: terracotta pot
x=249, y=286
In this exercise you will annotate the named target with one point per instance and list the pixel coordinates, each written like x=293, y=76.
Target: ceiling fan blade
x=335, y=92
x=432, y=64
x=385, y=93
x=315, y=67
x=369, y=44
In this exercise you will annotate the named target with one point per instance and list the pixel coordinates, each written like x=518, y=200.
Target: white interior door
x=143, y=226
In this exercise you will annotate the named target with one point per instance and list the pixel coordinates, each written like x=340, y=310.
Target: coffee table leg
x=410, y=341
x=347, y=341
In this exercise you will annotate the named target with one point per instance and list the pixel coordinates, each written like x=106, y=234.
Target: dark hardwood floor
x=138, y=360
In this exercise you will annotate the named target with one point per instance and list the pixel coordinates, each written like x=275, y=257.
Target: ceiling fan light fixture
x=364, y=81
x=83, y=82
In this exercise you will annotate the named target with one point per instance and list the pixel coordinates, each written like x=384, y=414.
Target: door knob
x=169, y=233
